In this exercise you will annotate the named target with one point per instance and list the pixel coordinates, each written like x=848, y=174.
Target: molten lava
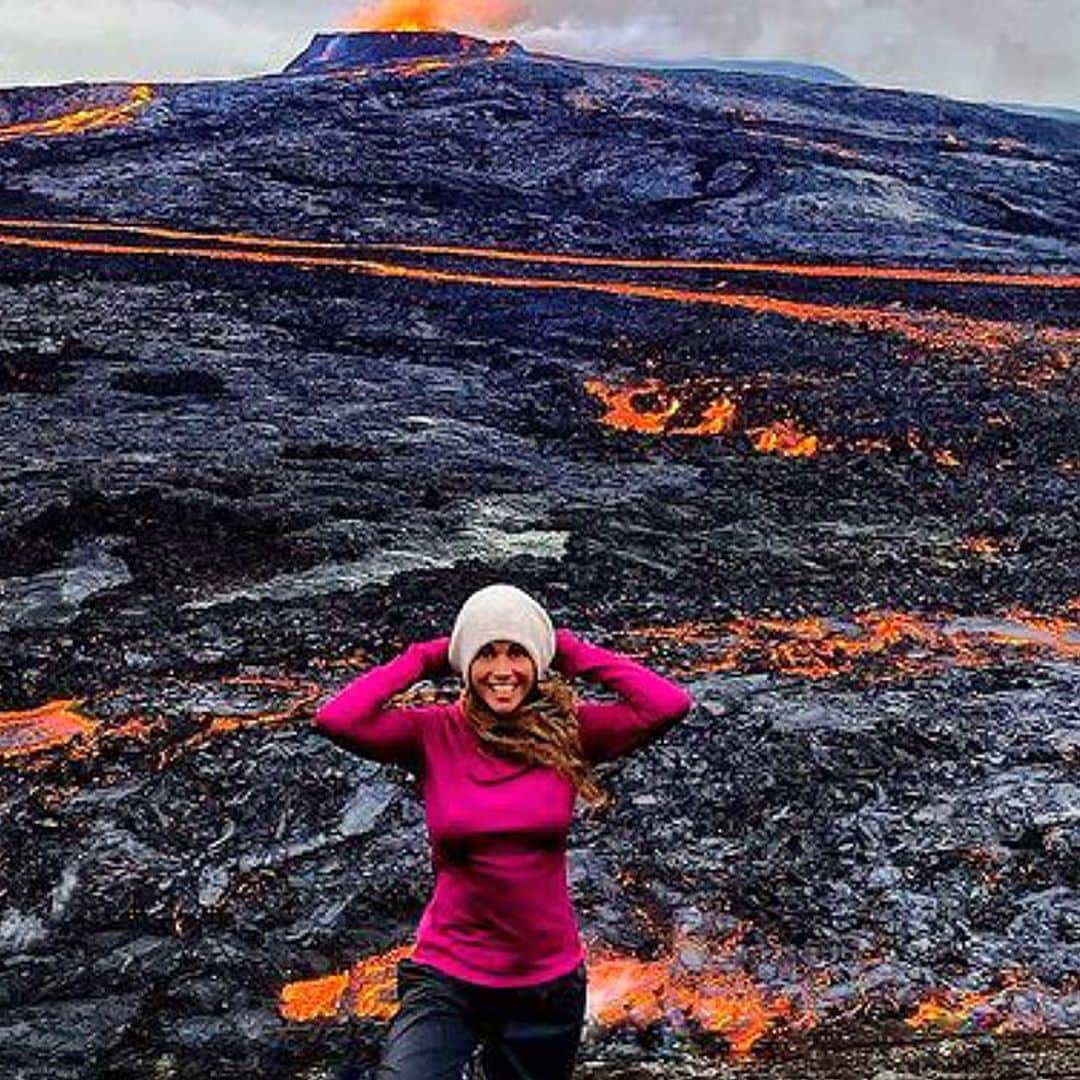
x=91, y=118
x=647, y=408
x=719, y=996
x=47, y=726
x=868, y=646
x=784, y=438
x=1018, y=351
x=368, y=989
x=425, y=15
x=1015, y=1004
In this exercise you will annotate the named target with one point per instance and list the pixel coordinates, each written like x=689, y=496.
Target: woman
x=498, y=958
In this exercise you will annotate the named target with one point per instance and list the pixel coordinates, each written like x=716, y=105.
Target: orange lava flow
x=629, y=409
x=981, y=545
x=728, y=1003
x=784, y=438
x=621, y=990
x=368, y=989
x=869, y=273
x=871, y=645
x=300, y=697
x=422, y=15
x=91, y=118
x=1013, y=1006
x=807, y=144
x=932, y=330
x=626, y=407
x=303, y=696
x=34, y=730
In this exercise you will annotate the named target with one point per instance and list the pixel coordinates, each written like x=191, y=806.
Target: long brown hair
x=544, y=731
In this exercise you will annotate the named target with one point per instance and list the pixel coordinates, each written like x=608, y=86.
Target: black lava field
x=774, y=385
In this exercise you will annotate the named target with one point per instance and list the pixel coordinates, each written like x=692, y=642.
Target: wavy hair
x=544, y=731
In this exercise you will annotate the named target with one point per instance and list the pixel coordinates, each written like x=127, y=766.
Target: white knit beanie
x=501, y=613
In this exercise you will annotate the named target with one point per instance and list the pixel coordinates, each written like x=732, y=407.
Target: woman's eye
x=517, y=650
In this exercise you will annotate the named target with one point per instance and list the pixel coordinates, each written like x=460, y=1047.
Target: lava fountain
x=437, y=15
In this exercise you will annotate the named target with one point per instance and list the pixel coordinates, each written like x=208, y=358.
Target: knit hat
x=501, y=613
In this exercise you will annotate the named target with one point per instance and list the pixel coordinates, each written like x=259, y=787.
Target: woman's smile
x=502, y=674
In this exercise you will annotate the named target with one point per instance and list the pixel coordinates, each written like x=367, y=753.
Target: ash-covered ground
x=788, y=409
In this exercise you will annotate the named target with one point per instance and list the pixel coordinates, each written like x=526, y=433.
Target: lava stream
x=90, y=118
x=720, y=991
x=871, y=646
x=848, y=271
x=33, y=730
x=722, y=998
x=933, y=330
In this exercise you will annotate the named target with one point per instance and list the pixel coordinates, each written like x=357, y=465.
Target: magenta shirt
x=501, y=913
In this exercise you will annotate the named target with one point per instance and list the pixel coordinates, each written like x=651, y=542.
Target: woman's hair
x=544, y=731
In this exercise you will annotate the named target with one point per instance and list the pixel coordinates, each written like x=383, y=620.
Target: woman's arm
x=650, y=703
x=357, y=720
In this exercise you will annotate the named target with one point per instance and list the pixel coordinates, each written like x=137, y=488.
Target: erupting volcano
x=350, y=51
x=773, y=385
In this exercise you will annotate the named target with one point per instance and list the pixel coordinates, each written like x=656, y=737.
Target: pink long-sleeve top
x=501, y=913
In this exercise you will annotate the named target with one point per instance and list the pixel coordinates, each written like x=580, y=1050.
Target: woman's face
x=502, y=674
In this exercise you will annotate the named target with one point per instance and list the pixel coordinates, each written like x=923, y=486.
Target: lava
x=785, y=438
x=934, y=331
x=835, y=149
x=871, y=646
x=981, y=545
x=80, y=121
x=302, y=696
x=718, y=990
x=43, y=728
x=426, y=15
x=368, y=989
x=923, y=275
x=26, y=734
x=869, y=273
x=1014, y=1004
x=720, y=997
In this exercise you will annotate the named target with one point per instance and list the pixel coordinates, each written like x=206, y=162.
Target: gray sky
x=1009, y=50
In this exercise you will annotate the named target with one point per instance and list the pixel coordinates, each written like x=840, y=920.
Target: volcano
x=345, y=51
x=771, y=384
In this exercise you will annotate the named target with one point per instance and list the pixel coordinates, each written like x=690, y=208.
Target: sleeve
x=650, y=704
x=357, y=719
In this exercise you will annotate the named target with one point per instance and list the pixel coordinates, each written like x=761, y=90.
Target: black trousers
x=524, y=1033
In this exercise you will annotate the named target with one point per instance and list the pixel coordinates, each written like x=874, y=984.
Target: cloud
x=1011, y=50
x=50, y=41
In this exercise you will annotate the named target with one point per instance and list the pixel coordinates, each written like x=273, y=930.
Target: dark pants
x=525, y=1033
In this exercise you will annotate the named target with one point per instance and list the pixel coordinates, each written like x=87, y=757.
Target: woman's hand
x=565, y=641
x=436, y=657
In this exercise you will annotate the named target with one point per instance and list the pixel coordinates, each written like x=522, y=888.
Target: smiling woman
x=499, y=962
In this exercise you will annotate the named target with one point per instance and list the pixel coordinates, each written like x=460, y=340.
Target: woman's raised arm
x=650, y=703
x=357, y=719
